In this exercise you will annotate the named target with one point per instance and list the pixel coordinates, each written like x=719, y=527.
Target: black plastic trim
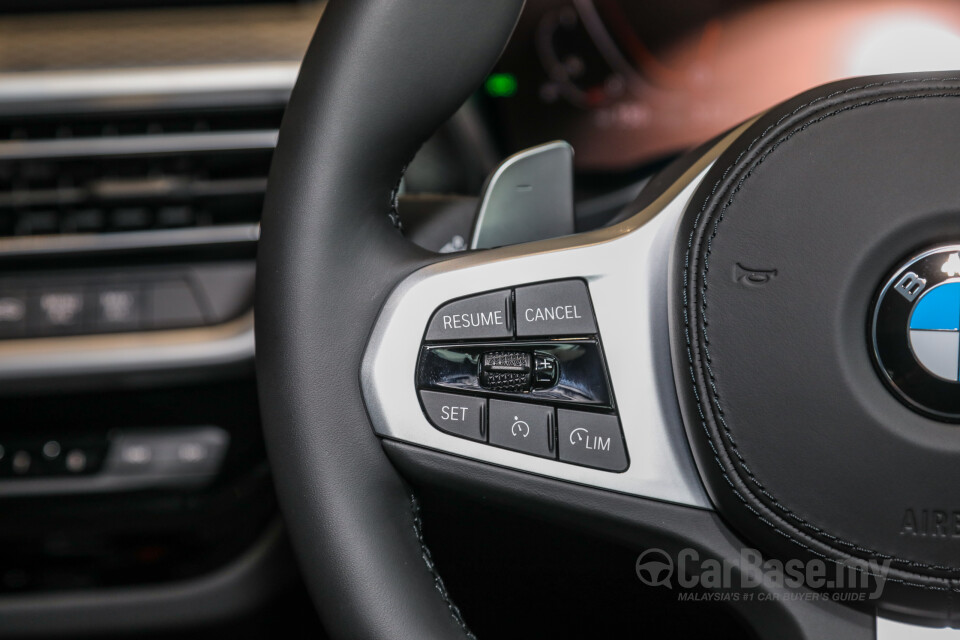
x=247, y=583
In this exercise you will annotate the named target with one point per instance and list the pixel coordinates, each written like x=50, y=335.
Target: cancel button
x=555, y=309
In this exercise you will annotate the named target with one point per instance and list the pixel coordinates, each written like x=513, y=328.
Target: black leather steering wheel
x=744, y=301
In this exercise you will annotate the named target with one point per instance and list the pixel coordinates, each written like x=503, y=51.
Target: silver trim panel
x=19, y=246
x=626, y=271
x=891, y=630
x=112, y=84
x=625, y=267
x=149, y=351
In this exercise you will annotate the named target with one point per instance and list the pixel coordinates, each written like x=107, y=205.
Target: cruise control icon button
x=459, y=415
x=591, y=440
x=554, y=309
x=522, y=427
x=519, y=428
x=476, y=317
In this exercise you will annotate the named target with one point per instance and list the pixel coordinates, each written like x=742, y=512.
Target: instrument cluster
x=631, y=83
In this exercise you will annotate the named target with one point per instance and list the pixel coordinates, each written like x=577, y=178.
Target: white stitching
x=706, y=361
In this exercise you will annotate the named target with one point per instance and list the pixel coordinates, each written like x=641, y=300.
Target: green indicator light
x=501, y=85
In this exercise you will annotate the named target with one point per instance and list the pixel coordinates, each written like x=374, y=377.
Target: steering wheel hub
x=779, y=332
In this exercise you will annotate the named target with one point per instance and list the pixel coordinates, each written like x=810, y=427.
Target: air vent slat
x=112, y=172
x=136, y=145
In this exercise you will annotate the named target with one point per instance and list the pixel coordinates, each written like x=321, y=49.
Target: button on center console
x=13, y=314
x=58, y=310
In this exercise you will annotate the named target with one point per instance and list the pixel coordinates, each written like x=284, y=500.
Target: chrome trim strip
x=891, y=630
x=49, y=86
x=150, y=351
x=20, y=246
x=139, y=145
x=626, y=268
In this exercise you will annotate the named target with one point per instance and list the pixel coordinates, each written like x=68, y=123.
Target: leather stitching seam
x=714, y=406
x=432, y=567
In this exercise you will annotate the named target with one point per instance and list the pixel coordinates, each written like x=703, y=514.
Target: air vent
x=109, y=172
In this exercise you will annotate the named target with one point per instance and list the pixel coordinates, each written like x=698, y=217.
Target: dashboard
x=628, y=83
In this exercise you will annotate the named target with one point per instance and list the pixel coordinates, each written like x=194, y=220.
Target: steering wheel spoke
x=464, y=307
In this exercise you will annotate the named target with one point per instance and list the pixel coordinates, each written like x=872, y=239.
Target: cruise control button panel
x=523, y=369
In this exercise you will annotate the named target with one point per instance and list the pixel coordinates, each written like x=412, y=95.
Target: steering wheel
x=763, y=357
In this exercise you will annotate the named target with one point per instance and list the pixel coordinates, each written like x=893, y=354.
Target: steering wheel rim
x=334, y=270
x=378, y=79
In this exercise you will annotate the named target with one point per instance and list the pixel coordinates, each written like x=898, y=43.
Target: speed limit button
x=591, y=440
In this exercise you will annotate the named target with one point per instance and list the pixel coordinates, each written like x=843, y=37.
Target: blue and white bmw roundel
x=915, y=332
x=935, y=330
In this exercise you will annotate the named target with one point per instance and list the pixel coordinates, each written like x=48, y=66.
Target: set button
x=459, y=415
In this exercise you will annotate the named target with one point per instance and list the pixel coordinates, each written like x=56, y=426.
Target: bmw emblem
x=916, y=332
